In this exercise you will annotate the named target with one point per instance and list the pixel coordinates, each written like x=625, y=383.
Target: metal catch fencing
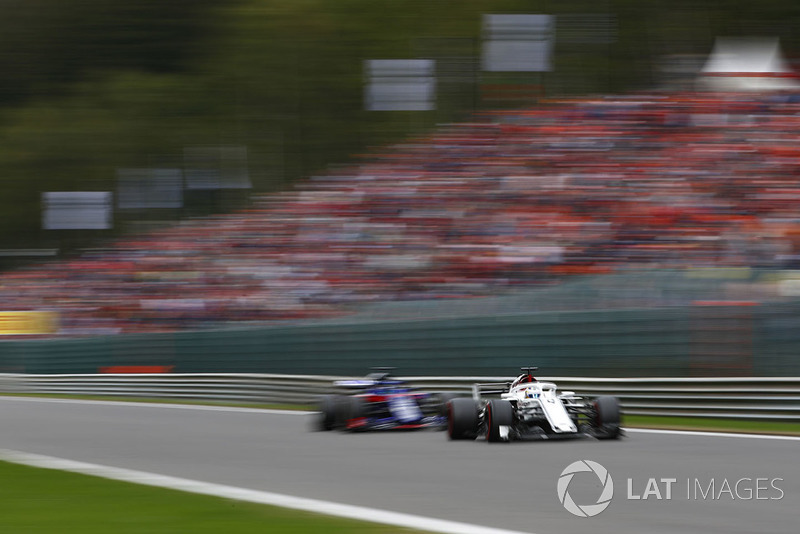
x=772, y=398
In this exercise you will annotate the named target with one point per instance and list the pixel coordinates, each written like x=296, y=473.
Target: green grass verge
x=45, y=501
x=715, y=425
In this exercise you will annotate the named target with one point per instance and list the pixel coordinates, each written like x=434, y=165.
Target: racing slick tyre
x=607, y=417
x=440, y=408
x=462, y=419
x=498, y=413
x=356, y=414
x=441, y=402
x=329, y=415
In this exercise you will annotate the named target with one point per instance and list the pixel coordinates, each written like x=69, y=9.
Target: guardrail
x=775, y=399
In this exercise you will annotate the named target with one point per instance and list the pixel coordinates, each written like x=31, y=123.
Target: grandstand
x=514, y=203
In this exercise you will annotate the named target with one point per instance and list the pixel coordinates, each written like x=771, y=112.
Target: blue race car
x=381, y=402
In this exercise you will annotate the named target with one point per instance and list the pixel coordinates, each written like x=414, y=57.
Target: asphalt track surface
x=508, y=486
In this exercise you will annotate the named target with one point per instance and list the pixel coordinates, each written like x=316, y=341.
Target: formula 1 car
x=381, y=402
x=530, y=409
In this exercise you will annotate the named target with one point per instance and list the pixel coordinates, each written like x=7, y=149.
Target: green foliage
x=47, y=44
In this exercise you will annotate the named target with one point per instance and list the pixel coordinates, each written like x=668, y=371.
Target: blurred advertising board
x=22, y=323
x=400, y=84
x=216, y=167
x=76, y=210
x=518, y=43
x=149, y=188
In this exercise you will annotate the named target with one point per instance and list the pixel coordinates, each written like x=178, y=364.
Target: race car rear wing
x=489, y=388
x=378, y=376
x=364, y=383
x=354, y=384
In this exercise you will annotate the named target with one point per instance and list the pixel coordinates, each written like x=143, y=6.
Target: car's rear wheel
x=355, y=414
x=462, y=419
x=607, y=417
x=329, y=415
x=498, y=413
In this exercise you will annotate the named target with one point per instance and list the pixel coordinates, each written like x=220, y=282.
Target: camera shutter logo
x=587, y=510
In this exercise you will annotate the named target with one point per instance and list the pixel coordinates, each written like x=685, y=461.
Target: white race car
x=530, y=409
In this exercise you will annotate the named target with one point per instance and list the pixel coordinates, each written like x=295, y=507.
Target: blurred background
x=96, y=87
x=196, y=165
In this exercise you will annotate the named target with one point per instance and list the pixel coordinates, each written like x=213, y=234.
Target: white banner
x=76, y=210
x=400, y=85
x=518, y=43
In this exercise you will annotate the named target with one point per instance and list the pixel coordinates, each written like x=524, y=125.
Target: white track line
x=712, y=434
x=260, y=497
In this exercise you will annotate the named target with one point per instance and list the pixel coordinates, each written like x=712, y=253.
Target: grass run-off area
x=45, y=501
x=712, y=425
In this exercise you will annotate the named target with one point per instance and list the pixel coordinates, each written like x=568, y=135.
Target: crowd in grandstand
x=512, y=199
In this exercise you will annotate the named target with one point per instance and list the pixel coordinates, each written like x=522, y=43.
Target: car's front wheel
x=498, y=413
